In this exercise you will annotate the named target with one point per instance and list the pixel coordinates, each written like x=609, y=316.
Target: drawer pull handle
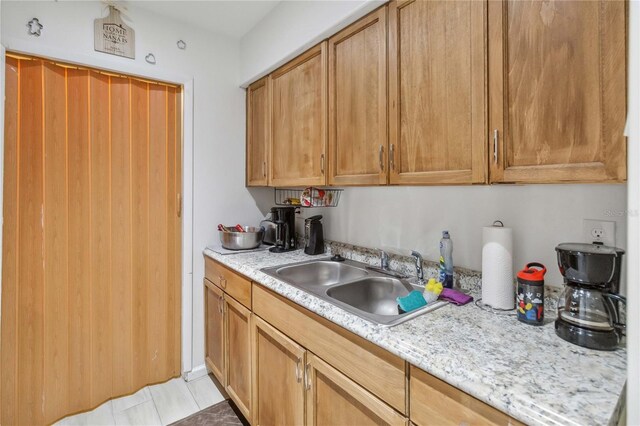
x=380, y=156
x=223, y=282
x=298, y=372
x=495, y=145
x=307, y=379
x=391, y=157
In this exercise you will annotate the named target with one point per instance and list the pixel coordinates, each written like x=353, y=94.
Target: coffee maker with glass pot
x=589, y=305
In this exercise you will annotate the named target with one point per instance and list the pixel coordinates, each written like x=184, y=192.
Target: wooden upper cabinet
x=558, y=90
x=437, y=92
x=299, y=120
x=358, y=143
x=258, y=120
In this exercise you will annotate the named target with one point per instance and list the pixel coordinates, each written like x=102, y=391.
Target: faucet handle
x=419, y=269
x=384, y=259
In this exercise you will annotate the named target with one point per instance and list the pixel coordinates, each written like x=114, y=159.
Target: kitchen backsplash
x=466, y=279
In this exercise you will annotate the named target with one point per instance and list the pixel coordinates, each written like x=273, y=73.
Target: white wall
x=291, y=28
x=413, y=217
x=633, y=268
x=212, y=62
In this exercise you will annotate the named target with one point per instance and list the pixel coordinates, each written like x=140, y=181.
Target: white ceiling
x=231, y=18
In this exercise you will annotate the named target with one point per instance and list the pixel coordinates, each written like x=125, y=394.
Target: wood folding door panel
x=91, y=239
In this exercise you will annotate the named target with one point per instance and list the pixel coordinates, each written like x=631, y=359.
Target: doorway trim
x=133, y=69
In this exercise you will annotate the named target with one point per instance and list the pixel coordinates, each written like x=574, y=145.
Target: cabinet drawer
x=434, y=401
x=234, y=284
x=372, y=367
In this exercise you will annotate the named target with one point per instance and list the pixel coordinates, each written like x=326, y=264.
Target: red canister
x=530, y=295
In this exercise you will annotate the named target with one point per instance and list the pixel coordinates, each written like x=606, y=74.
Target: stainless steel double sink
x=354, y=287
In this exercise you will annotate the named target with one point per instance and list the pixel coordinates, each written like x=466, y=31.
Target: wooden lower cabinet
x=233, y=284
x=238, y=354
x=375, y=369
x=434, y=402
x=228, y=344
x=214, y=330
x=283, y=365
x=334, y=399
x=278, y=387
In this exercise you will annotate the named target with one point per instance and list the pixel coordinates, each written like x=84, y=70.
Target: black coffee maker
x=588, y=308
x=285, y=220
x=313, y=238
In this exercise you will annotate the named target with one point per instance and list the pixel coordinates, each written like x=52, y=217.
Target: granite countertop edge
x=517, y=403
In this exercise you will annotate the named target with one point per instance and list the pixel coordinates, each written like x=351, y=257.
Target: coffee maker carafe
x=313, y=238
x=285, y=220
x=588, y=307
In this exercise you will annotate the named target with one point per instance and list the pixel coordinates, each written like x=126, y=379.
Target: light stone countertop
x=525, y=371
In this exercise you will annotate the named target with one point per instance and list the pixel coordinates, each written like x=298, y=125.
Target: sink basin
x=352, y=286
x=374, y=295
x=320, y=273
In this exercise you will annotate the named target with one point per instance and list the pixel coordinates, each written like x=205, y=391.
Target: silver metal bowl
x=236, y=240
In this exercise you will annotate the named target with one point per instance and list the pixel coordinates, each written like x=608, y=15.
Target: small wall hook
x=35, y=27
x=181, y=45
x=150, y=58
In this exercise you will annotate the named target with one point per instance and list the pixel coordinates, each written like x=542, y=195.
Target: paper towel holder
x=479, y=302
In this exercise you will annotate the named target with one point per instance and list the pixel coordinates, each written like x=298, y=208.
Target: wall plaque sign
x=112, y=35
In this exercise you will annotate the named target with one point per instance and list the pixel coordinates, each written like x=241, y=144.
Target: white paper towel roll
x=497, y=267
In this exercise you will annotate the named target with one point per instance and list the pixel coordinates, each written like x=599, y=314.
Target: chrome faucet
x=384, y=260
x=419, y=270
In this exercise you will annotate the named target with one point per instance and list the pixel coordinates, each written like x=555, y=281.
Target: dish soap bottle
x=445, y=275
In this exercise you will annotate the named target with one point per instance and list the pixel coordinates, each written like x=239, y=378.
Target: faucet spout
x=419, y=269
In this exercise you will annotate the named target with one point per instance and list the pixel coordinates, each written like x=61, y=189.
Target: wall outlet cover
x=599, y=231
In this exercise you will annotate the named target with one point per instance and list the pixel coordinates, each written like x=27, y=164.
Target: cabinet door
x=258, y=118
x=558, y=90
x=214, y=330
x=278, y=387
x=333, y=399
x=298, y=120
x=437, y=92
x=358, y=142
x=238, y=354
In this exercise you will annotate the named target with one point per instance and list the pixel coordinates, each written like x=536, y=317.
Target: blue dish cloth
x=411, y=302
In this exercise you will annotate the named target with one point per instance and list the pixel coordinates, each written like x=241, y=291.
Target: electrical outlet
x=599, y=231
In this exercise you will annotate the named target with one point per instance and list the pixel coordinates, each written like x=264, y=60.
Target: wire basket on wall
x=308, y=197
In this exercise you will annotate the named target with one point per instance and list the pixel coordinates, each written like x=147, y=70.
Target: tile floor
x=153, y=405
